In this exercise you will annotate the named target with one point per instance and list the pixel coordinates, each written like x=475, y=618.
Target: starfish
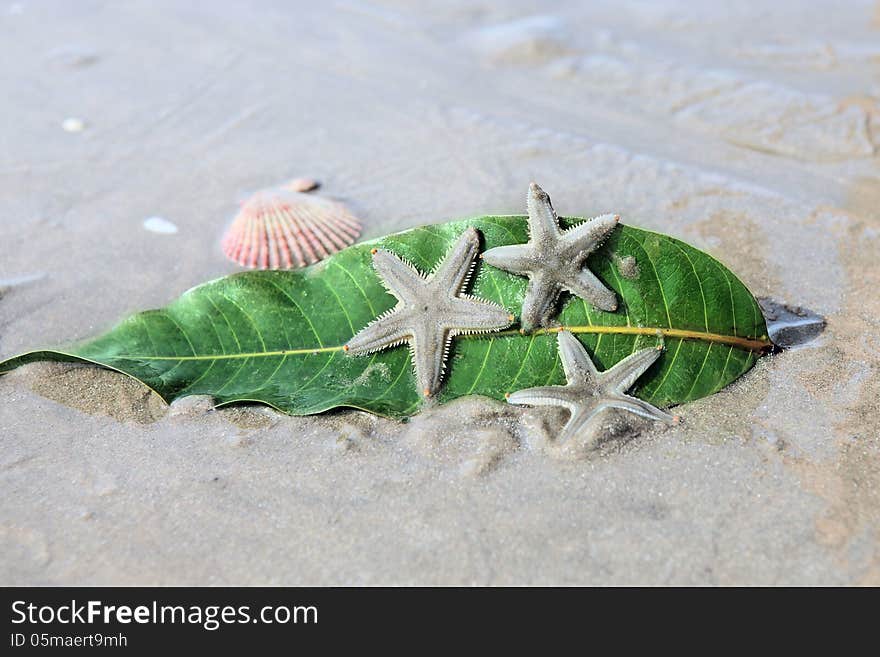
x=432, y=310
x=588, y=392
x=553, y=260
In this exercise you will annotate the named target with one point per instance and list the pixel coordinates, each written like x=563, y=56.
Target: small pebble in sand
x=160, y=225
x=73, y=124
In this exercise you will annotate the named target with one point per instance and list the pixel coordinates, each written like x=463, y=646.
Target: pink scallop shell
x=285, y=229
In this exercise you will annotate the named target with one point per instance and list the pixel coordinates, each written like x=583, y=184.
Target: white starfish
x=588, y=392
x=553, y=259
x=432, y=310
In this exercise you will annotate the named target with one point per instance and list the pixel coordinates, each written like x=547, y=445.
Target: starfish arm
x=468, y=314
x=430, y=347
x=584, y=238
x=543, y=223
x=515, y=258
x=541, y=295
x=399, y=277
x=621, y=377
x=541, y=396
x=639, y=407
x=578, y=422
x=385, y=331
x=576, y=362
x=591, y=289
x=456, y=267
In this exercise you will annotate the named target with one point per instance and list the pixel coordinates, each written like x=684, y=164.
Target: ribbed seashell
x=285, y=229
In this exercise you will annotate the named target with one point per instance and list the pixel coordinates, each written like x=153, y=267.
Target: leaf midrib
x=749, y=344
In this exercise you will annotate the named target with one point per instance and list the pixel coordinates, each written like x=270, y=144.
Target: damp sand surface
x=754, y=140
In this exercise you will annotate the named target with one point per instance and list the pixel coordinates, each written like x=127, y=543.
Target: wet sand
x=751, y=132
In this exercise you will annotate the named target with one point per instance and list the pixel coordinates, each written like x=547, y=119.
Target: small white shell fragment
x=160, y=225
x=73, y=124
x=302, y=185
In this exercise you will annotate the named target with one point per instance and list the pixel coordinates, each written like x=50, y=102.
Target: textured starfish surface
x=588, y=392
x=432, y=310
x=553, y=259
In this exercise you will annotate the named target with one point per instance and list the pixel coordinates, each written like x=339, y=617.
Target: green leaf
x=276, y=336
